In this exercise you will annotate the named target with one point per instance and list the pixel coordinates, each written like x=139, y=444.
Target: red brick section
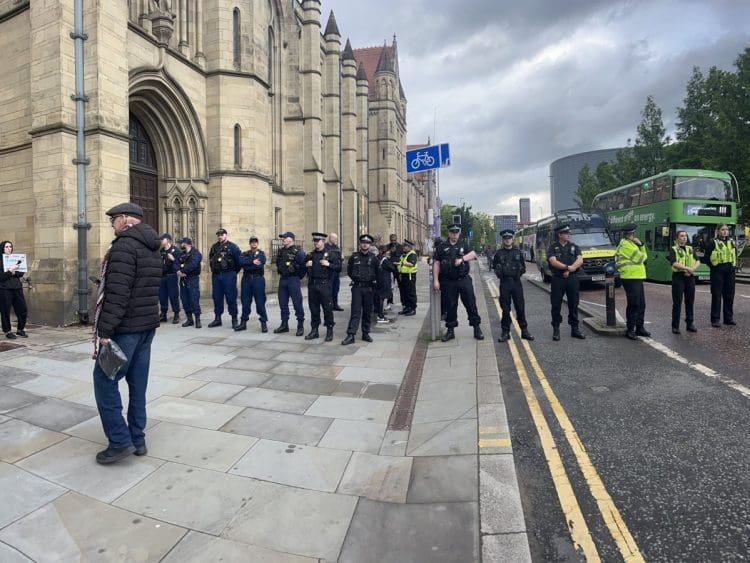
x=403, y=409
x=369, y=57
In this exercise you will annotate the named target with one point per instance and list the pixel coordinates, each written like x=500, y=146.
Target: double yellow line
x=579, y=530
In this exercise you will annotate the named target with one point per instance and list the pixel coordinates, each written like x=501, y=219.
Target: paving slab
x=205, y=359
x=377, y=477
x=412, y=532
x=9, y=554
x=372, y=374
x=192, y=413
x=321, y=371
x=12, y=399
x=55, y=414
x=305, y=357
x=367, y=361
x=208, y=449
x=231, y=376
x=272, y=399
x=394, y=443
x=489, y=390
x=293, y=345
x=169, y=368
x=48, y=366
x=172, y=386
x=444, y=479
x=71, y=463
x=381, y=392
x=215, y=392
x=279, y=426
x=500, y=501
x=53, y=386
x=440, y=438
x=256, y=353
x=506, y=547
x=21, y=493
x=11, y=375
x=64, y=354
x=351, y=409
x=350, y=389
x=301, y=384
x=199, y=548
x=308, y=467
x=288, y=519
x=92, y=430
x=19, y=439
x=250, y=364
x=443, y=410
x=195, y=498
x=77, y=528
x=354, y=435
x=332, y=350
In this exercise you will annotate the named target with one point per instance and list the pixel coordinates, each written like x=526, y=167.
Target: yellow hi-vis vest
x=723, y=253
x=631, y=260
x=684, y=256
x=405, y=267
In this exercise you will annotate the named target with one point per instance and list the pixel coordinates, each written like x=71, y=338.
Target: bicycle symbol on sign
x=422, y=159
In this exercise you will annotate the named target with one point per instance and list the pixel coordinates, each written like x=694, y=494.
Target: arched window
x=270, y=59
x=236, y=45
x=237, y=146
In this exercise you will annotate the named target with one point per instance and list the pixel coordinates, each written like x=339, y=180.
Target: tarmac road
x=669, y=444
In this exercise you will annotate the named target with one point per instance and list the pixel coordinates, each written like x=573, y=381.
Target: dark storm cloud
x=516, y=85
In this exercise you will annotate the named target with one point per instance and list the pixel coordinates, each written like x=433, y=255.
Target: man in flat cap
x=253, y=286
x=290, y=263
x=407, y=275
x=564, y=259
x=169, y=293
x=224, y=259
x=320, y=263
x=362, y=268
x=451, y=260
x=509, y=266
x=127, y=313
x=630, y=260
x=188, y=272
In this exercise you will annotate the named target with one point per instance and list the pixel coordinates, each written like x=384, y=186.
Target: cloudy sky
x=518, y=84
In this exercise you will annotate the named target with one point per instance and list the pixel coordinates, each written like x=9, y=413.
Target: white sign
x=11, y=259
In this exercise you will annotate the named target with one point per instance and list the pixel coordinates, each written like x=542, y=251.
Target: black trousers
x=682, y=286
x=570, y=288
x=408, y=289
x=362, y=296
x=722, y=292
x=460, y=288
x=319, y=297
x=512, y=290
x=635, y=311
x=12, y=298
x=443, y=296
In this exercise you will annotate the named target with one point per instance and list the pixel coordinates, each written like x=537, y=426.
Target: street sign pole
x=435, y=311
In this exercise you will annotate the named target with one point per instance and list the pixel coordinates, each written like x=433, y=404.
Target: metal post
x=609, y=300
x=435, y=300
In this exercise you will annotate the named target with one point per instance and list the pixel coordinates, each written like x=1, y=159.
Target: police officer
x=630, y=259
x=224, y=258
x=253, y=285
x=394, y=250
x=509, y=265
x=169, y=293
x=362, y=268
x=564, y=259
x=684, y=264
x=320, y=263
x=407, y=275
x=290, y=263
x=332, y=246
x=188, y=272
x=451, y=259
x=722, y=260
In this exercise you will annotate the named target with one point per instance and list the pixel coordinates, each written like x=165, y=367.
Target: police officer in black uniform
x=451, y=259
x=189, y=272
x=169, y=292
x=224, y=259
x=290, y=263
x=253, y=285
x=320, y=263
x=564, y=259
x=362, y=268
x=509, y=265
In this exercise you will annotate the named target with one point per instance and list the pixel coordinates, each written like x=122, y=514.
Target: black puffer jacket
x=131, y=284
x=10, y=280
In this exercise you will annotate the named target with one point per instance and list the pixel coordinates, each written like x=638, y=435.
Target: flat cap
x=629, y=228
x=126, y=208
x=166, y=236
x=186, y=240
x=319, y=236
x=365, y=238
x=562, y=229
x=506, y=233
x=287, y=234
x=221, y=232
x=454, y=228
x=408, y=242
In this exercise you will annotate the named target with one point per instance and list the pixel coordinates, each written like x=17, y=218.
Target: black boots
x=198, y=321
x=504, y=336
x=348, y=340
x=234, y=321
x=163, y=317
x=478, y=333
x=449, y=335
x=640, y=331
x=366, y=337
x=300, y=329
x=556, y=332
x=526, y=335
x=313, y=334
x=283, y=328
x=215, y=322
x=189, y=320
x=631, y=334
x=263, y=326
x=241, y=326
x=576, y=333
x=336, y=306
x=176, y=319
x=329, y=333
x=691, y=327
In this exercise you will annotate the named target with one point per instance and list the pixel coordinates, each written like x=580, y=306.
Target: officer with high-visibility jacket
x=722, y=260
x=407, y=273
x=630, y=260
x=684, y=263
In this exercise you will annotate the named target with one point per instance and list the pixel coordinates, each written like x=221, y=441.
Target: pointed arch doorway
x=144, y=176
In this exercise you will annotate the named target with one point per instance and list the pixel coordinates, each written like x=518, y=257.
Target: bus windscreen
x=704, y=188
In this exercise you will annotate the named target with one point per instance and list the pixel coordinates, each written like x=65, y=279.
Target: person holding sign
x=11, y=292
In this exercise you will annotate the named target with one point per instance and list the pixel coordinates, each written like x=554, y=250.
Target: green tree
x=648, y=150
x=588, y=188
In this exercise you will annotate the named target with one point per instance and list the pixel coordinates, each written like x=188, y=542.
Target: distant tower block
x=524, y=208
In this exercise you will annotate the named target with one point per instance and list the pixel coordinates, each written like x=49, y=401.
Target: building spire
x=384, y=63
x=348, y=53
x=361, y=74
x=332, y=28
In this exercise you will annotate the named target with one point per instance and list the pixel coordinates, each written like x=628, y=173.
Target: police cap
x=507, y=233
x=562, y=230
x=126, y=208
x=366, y=238
x=454, y=228
x=287, y=234
x=629, y=228
x=319, y=236
x=253, y=239
x=186, y=240
x=407, y=242
x=221, y=232
x=167, y=236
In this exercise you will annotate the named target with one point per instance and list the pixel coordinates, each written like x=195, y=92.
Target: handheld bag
x=111, y=358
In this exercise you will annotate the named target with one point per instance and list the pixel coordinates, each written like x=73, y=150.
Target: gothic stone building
x=208, y=113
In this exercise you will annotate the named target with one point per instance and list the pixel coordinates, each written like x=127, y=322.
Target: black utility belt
x=364, y=283
x=249, y=275
x=287, y=276
x=319, y=281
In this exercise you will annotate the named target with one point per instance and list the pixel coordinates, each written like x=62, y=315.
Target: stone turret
x=332, y=161
x=350, y=226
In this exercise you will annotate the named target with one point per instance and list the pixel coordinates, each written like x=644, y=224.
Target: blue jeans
x=169, y=294
x=224, y=285
x=137, y=348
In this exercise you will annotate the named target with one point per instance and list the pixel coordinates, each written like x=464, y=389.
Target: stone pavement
x=265, y=447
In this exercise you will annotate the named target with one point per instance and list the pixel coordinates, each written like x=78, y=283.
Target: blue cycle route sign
x=428, y=158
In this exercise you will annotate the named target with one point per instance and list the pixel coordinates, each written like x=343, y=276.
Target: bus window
x=703, y=188
x=647, y=193
x=698, y=236
x=649, y=241
x=662, y=240
x=618, y=200
x=661, y=188
x=631, y=199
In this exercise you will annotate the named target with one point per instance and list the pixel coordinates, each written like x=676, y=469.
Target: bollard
x=609, y=301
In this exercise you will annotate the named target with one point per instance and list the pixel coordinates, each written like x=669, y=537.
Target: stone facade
x=239, y=114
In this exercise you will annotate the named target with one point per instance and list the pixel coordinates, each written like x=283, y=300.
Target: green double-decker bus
x=688, y=200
